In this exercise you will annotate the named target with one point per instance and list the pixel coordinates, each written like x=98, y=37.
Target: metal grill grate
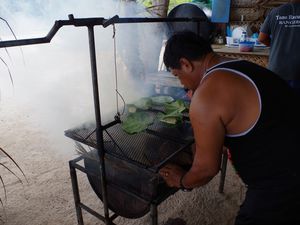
x=151, y=148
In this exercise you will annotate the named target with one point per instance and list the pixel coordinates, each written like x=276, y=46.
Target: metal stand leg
x=76, y=194
x=99, y=129
x=153, y=214
x=223, y=171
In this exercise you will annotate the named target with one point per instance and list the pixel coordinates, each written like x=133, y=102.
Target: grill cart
x=123, y=169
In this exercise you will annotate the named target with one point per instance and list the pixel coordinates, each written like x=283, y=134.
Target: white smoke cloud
x=53, y=80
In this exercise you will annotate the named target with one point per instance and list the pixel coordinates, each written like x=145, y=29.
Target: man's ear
x=186, y=65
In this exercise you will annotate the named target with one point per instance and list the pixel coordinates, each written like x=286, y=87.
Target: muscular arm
x=209, y=137
x=209, y=131
x=224, y=103
x=264, y=38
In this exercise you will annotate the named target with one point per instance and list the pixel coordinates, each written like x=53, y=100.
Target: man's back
x=283, y=26
x=268, y=153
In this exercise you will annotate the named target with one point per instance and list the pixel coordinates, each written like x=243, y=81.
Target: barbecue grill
x=123, y=169
x=132, y=163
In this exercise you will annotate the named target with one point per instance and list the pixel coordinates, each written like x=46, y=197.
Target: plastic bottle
x=228, y=31
x=243, y=37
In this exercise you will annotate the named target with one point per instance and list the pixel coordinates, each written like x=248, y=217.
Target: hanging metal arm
x=116, y=19
x=90, y=22
x=57, y=25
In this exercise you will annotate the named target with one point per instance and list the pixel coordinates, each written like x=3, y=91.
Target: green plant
x=7, y=168
x=2, y=60
x=151, y=6
x=2, y=151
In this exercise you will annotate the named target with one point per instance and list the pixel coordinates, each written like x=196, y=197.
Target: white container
x=243, y=37
x=232, y=41
x=237, y=32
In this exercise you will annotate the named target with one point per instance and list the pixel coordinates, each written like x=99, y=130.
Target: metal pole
x=90, y=22
x=223, y=171
x=76, y=193
x=153, y=214
x=99, y=129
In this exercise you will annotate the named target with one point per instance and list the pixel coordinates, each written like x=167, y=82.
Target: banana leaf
x=143, y=103
x=172, y=118
x=177, y=106
x=137, y=122
x=161, y=99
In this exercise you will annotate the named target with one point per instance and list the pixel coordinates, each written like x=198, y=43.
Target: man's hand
x=172, y=173
x=264, y=38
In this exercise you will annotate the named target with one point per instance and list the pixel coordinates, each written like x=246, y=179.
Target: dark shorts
x=270, y=207
x=295, y=84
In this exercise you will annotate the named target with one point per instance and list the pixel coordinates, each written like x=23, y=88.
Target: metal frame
x=73, y=164
x=90, y=23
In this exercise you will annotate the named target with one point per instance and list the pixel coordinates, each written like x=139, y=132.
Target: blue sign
x=220, y=11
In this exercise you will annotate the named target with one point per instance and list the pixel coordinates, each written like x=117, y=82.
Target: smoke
x=52, y=82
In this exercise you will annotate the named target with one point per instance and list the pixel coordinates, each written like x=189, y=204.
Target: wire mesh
x=147, y=149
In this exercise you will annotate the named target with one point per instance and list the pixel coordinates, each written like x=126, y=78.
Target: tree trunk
x=160, y=7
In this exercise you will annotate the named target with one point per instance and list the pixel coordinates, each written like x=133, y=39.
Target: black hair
x=185, y=44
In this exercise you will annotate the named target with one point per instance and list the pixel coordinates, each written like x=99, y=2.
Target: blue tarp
x=220, y=11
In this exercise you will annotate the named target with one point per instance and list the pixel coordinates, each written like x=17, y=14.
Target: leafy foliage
x=10, y=171
x=177, y=106
x=172, y=3
x=173, y=112
x=1, y=59
x=5, y=167
x=143, y=103
x=137, y=122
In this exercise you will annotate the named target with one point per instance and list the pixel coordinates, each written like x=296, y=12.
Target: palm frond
x=82, y=151
x=11, y=30
x=4, y=188
x=13, y=33
x=3, y=183
x=11, y=79
x=7, y=52
x=16, y=164
x=3, y=221
x=1, y=164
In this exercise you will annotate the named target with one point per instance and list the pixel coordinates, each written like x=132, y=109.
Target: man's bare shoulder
x=217, y=85
x=218, y=75
x=216, y=96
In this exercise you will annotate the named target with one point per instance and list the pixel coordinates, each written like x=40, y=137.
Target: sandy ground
x=47, y=198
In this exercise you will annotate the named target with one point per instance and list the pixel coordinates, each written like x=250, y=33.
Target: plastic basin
x=246, y=46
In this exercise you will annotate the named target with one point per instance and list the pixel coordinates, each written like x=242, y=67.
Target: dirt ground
x=46, y=197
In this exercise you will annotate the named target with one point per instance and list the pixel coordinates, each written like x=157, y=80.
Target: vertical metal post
x=223, y=171
x=153, y=214
x=99, y=131
x=76, y=194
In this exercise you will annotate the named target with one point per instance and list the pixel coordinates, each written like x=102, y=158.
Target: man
x=250, y=110
x=281, y=31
